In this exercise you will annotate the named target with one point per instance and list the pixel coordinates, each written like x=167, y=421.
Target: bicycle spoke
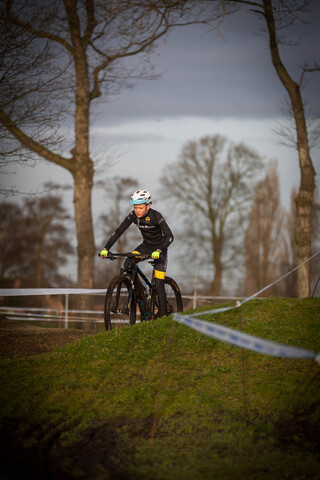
x=173, y=299
x=120, y=308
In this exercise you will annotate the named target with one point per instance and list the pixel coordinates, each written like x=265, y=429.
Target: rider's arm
x=119, y=231
x=167, y=234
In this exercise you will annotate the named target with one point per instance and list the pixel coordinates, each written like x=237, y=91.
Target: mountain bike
x=133, y=287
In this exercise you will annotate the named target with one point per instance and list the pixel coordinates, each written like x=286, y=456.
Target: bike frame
x=136, y=271
x=142, y=292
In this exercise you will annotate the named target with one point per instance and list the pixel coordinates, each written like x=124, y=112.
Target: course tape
x=245, y=340
x=238, y=303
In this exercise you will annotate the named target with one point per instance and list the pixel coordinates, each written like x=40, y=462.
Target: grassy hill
x=161, y=401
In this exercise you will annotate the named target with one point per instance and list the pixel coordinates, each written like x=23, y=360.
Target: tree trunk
x=83, y=180
x=305, y=196
x=83, y=169
x=304, y=204
x=217, y=281
x=218, y=267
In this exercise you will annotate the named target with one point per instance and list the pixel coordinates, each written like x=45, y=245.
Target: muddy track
x=17, y=339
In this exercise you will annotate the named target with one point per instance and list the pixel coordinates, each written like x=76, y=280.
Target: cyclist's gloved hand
x=155, y=255
x=104, y=253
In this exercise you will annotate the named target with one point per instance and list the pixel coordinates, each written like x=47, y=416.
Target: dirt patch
x=18, y=339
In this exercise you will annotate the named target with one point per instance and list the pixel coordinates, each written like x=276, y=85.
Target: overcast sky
x=208, y=85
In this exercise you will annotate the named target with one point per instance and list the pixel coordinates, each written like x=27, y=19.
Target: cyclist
x=156, y=235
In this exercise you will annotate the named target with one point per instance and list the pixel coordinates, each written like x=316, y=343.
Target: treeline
x=61, y=61
x=233, y=226
x=224, y=205
x=35, y=242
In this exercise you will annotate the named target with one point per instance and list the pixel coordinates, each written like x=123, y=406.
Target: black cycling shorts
x=160, y=265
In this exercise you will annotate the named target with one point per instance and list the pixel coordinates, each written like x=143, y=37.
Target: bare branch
x=34, y=146
x=308, y=69
x=37, y=33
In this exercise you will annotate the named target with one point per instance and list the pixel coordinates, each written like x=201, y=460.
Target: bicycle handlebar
x=113, y=256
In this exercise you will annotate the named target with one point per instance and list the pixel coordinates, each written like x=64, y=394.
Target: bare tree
x=35, y=242
x=278, y=15
x=212, y=184
x=266, y=241
x=59, y=58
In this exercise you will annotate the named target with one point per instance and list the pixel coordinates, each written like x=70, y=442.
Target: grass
x=159, y=400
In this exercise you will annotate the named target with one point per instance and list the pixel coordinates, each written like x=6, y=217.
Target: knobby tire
x=174, y=298
x=122, y=314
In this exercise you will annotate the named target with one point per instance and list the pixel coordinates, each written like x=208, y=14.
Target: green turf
x=162, y=401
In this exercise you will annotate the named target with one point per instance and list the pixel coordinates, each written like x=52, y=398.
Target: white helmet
x=139, y=197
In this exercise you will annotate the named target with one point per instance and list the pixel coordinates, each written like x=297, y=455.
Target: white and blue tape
x=245, y=340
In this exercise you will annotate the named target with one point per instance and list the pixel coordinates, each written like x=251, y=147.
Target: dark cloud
x=206, y=75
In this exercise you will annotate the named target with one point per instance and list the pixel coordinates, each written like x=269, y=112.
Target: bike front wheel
x=119, y=308
x=173, y=301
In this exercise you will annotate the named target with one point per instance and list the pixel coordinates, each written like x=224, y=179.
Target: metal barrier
x=64, y=317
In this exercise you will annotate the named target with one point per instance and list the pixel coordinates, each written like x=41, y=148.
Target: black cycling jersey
x=154, y=230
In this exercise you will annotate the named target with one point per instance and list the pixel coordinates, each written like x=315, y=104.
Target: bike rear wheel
x=118, y=310
x=174, y=298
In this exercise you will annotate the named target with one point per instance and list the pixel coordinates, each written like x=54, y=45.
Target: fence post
x=66, y=308
x=195, y=292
